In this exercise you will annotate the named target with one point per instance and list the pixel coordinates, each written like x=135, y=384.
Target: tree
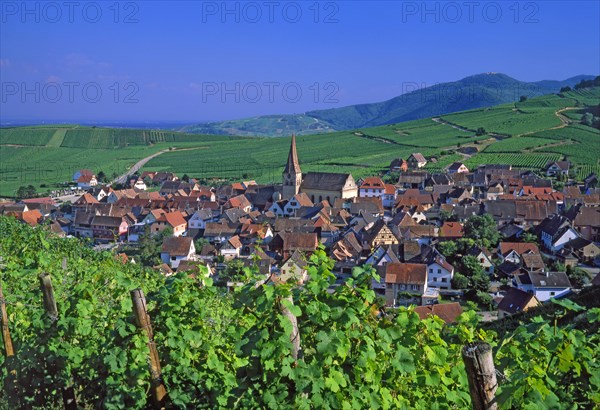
x=529, y=237
x=235, y=269
x=448, y=248
x=150, y=245
x=565, y=89
x=480, y=131
x=148, y=249
x=101, y=177
x=587, y=119
x=470, y=266
x=480, y=282
x=558, y=267
x=447, y=216
x=464, y=244
x=459, y=281
x=25, y=192
x=482, y=229
x=485, y=300
x=523, y=98
x=577, y=276
x=391, y=177
x=185, y=178
x=199, y=244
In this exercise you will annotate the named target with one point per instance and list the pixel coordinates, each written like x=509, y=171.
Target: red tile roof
x=407, y=273
x=518, y=247
x=45, y=200
x=86, y=199
x=373, y=183
x=31, y=218
x=448, y=312
x=451, y=230
x=173, y=218
x=86, y=178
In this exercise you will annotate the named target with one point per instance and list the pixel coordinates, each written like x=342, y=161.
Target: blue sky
x=199, y=61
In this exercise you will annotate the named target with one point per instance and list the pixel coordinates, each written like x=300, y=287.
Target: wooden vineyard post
x=48, y=292
x=11, y=380
x=479, y=364
x=8, y=346
x=295, y=335
x=69, y=400
x=68, y=393
x=142, y=319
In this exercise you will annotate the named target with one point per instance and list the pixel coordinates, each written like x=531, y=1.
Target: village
x=495, y=239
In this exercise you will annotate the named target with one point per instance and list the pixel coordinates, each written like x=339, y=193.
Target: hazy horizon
x=185, y=62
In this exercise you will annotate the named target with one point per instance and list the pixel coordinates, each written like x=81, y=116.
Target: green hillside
x=482, y=90
x=49, y=155
x=527, y=135
x=267, y=125
x=523, y=134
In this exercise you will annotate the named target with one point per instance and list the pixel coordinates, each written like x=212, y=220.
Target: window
x=444, y=280
x=415, y=287
x=173, y=258
x=439, y=271
x=552, y=293
x=430, y=270
x=435, y=279
x=402, y=287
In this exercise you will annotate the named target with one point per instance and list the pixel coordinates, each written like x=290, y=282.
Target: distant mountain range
x=476, y=91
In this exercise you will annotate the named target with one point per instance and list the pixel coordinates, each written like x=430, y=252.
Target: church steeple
x=292, y=174
x=292, y=166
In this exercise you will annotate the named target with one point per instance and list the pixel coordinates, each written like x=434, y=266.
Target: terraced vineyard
x=423, y=133
x=530, y=161
x=584, y=170
x=518, y=144
x=531, y=116
x=28, y=136
x=120, y=137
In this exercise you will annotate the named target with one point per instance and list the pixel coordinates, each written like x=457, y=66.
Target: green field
x=50, y=154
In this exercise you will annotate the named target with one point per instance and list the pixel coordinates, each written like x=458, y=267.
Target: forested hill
x=481, y=90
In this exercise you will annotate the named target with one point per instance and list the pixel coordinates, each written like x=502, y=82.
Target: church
x=319, y=186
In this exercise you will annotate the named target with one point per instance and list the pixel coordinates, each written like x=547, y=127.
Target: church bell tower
x=292, y=174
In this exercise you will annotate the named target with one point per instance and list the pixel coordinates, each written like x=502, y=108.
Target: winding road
x=123, y=178
x=136, y=167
